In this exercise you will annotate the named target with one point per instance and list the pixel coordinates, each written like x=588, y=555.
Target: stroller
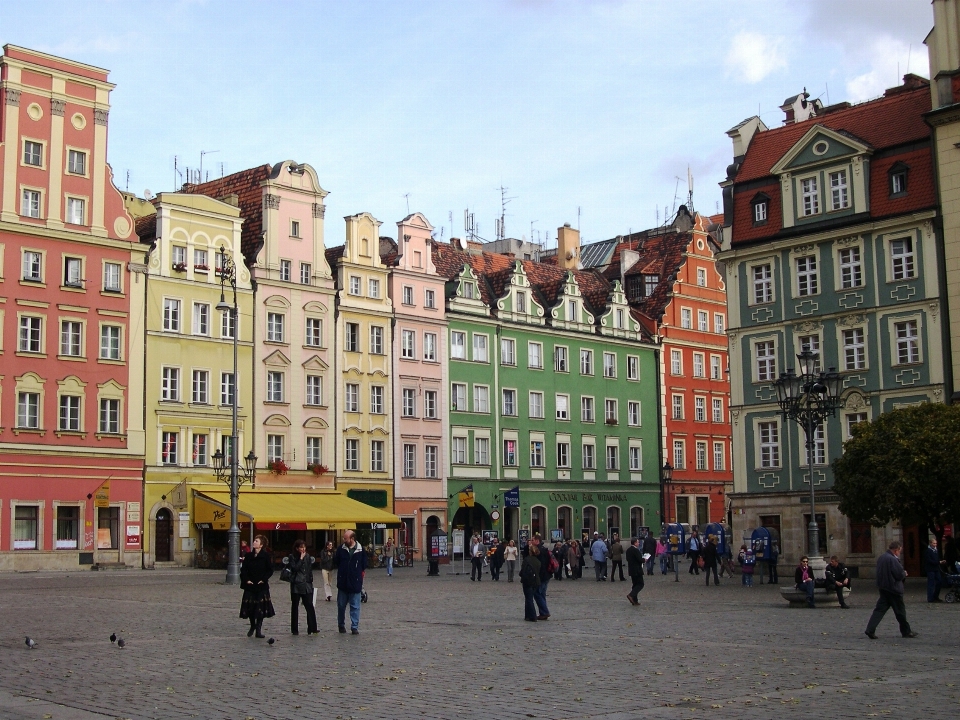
x=952, y=581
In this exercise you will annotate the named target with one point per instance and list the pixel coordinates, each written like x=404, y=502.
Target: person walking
x=255, y=575
x=496, y=560
x=774, y=576
x=530, y=580
x=351, y=564
x=546, y=573
x=327, y=556
x=388, y=556
x=803, y=580
x=301, y=588
x=573, y=559
x=838, y=578
x=510, y=554
x=662, y=555
x=477, y=552
x=616, y=558
x=890, y=576
x=635, y=570
x=931, y=565
x=693, y=552
x=559, y=554
x=649, y=548
x=599, y=553
x=710, y=557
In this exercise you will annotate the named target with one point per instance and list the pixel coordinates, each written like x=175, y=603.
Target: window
x=819, y=449
x=430, y=404
x=508, y=351
x=677, y=407
x=702, y=277
x=429, y=299
x=718, y=462
x=613, y=457
x=838, y=190
x=407, y=295
x=286, y=270
x=698, y=365
x=275, y=327
x=589, y=456
x=676, y=362
x=68, y=527
x=71, y=338
x=199, y=259
x=700, y=409
x=807, y=276
x=762, y=284
x=109, y=416
x=314, y=390
x=701, y=456
x=766, y=361
x=898, y=181
x=274, y=386
x=572, y=313
x=228, y=324
x=111, y=277
x=534, y=355
x=28, y=410
x=352, y=455
x=201, y=387
x=352, y=398
x=468, y=290
x=481, y=451
x=431, y=454
x=458, y=451
x=586, y=409
x=295, y=228
x=901, y=259
x=408, y=404
x=563, y=454
x=314, y=451
x=536, y=404
x=430, y=347
x=686, y=318
x=811, y=343
x=199, y=451
x=376, y=399
x=75, y=211
x=354, y=285
x=76, y=162
x=170, y=384
x=769, y=444
x=227, y=389
x=611, y=412
x=168, y=450
x=71, y=272
x=179, y=255
x=760, y=212
x=32, y=153
x=481, y=396
x=171, y=315
x=409, y=460
x=521, y=302
x=314, y=332
x=306, y=272
x=650, y=284
x=458, y=396
x=458, y=345
x=226, y=446
x=30, y=203
x=609, y=365
x=679, y=456
x=853, y=419
x=633, y=413
x=636, y=458
x=702, y=321
x=31, y=334
x=718, y=323
x=479, y=348
x=563, y=407
x=510, y=453
x=408, y=340
x=560, y=359
x=633, y=367
x=373, y=288
x=716, y=373
x=908, y=347
x=69, y=418
x=810, y=195
x=619, y=318
x=854, y=350
x=26, y=525
x=376, y=456
x=201, y=319
x=717, y=410
x=851, y=269
x=586, y=362
x=376, y=340
x=352, y=337
x=536, y=453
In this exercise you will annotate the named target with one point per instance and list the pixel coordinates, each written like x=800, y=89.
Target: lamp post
x=666, y=475
x=233, y=475
x=808, y=399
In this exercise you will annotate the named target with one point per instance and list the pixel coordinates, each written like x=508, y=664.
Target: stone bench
x=821, y=596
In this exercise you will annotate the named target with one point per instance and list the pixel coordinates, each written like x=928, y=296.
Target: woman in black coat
x=301, y=588
x=255, y=575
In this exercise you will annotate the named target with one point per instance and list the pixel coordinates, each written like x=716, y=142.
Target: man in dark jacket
x=890, y=577
x=540, y=595
x=351, y=567
x=301, y=588
x=635, y=570
x=650, y=548
x=710, y=557
x=931, y=565
x=838, y=578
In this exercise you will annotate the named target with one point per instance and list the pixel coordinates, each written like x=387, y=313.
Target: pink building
x=71, y=310
x=419, y=384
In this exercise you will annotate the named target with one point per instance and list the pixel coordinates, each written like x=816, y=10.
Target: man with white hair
x=351, y=567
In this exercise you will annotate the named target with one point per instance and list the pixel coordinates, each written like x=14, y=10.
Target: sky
x=588, y=113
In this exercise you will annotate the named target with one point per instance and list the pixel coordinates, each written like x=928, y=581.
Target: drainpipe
x=661, y=440
x=143, y=421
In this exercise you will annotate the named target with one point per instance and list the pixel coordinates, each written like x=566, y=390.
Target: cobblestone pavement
x=451, y=648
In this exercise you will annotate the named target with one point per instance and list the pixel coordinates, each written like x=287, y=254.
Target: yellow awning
x=301, y=510
x=214, y=515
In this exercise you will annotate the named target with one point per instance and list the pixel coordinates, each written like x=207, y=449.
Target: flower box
x=318, y=468
x=278, y=467
x=180, y=267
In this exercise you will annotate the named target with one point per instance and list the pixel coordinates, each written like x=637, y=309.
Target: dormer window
x=521, y=302
x=761, y=208
x=810, y=194
x=572, y=311
x=650, y=282
x=898, y=179
x=468, y=291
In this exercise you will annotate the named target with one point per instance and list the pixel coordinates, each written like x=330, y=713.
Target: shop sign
x=588, y=497
x=101, y=498
x=133, y=535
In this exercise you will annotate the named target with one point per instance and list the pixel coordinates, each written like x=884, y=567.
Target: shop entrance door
x=164, y=536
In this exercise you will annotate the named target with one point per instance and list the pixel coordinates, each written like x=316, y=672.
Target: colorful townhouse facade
x=553, y=400
x=830, y=244
x=71, y=293
x=419, y=372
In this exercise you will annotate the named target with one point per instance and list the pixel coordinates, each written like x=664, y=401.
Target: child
x=747, y=560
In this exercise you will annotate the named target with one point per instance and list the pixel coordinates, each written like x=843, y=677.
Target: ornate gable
x=518, y=303
x=618, y=321
x=569, y=312
x=463, y=293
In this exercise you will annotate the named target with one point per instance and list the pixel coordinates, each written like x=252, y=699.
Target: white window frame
x=853, y=345
x=676, y=362
x=586, y=361
x=535, y=355
x=481, y=347
x=768, y=444
x=508, y=351
x=609, y=365
x=481, y=398
x=716, y=410
x=686, y=318
x=430, y=347
x=839, y=190
x=765, y=365
x=633, y=367
x=408, y=344
x=807, y=276
x=905, y=338
x=458, y=450
x=762, y=288
x=458, y=345
x=809, y=195
x=535, y=409
x=458, y=397
x=903, y=264
x=587, y=409
x=562, y=406
x=633, y=413
x=561, y=359
x=699, y=365
x=850, y=267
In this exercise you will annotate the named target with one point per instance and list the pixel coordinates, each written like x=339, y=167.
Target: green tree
x=905, y=465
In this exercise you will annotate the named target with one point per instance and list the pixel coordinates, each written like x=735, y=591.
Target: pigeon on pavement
x=113, y=637
x=120, y=642
x=30, y=643
x=271, y=641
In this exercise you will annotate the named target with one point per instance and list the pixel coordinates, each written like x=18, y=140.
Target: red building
x=672, y=283
x=71, y=310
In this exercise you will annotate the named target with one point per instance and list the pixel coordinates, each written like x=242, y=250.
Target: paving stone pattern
x=450, y=648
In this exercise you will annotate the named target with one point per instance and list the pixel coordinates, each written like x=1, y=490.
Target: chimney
x=568, y=247
x=799, y=108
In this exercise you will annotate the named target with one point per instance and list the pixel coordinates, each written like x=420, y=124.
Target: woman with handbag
x=255, y=575
x=300, y=565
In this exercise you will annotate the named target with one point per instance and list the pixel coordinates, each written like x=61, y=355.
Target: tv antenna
x=406, y=196
x=501, y=224
x=200, y=173
x=176, y=173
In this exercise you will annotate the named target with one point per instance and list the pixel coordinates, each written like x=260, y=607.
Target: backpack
x=553, y=565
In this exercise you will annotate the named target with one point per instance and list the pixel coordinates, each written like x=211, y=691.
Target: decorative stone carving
x=855, y=401
x=100, y=117
x=57, y=107
x=807, y=307
x=319, y=210
x=807, y=328
x=13, y=97
x=851, y=320
x=844, y=242
x=271, y=202
x=902, y=293
x=934, y=309
x=851, y=300
x=803, y=249
x=735, y=415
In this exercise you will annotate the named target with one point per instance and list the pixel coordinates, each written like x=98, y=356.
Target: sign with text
x=101, y=498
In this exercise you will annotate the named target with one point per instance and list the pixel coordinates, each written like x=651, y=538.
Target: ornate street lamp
x=232, y=474
x=809, y=399
x=666, y=475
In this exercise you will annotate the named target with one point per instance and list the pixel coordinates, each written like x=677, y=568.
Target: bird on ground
x=121, y=643
x=271, y=641
x=30, y=643
x=113, y=637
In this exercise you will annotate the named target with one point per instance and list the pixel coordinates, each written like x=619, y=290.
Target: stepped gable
x=247, y=186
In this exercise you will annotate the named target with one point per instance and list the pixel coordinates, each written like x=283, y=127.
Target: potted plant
x=278, y=467
x=611, y=421
x=317, y=468
x=179, y=267
x=201, y=268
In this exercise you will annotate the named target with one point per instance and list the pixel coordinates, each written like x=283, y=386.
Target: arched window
x=636, y=520
x=538, y=520
x=565, y=521
x=590, y=519
x=613, y=520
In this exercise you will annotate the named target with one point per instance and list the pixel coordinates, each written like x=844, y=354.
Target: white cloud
x=888, y=60
x=753, y=56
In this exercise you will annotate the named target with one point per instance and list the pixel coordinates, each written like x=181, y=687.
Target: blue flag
x=511, y=498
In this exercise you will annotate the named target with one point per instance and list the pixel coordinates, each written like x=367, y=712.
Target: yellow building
x=189, y=370
x=364, y=312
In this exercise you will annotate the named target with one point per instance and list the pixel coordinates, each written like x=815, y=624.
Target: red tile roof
x=146, y=228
